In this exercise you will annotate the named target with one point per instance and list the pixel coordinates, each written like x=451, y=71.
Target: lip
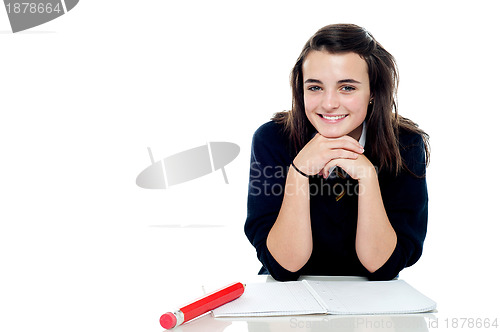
x=333, y=120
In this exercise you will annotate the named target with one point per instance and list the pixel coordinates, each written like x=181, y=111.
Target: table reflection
x=312, y=323
x=342, y=323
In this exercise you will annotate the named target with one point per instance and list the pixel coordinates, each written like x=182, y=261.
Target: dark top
x=333, y=213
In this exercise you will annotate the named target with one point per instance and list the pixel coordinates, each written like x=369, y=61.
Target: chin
x=331, y=133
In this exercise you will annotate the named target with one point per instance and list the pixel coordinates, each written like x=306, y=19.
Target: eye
x=347, y=88
x=314, y=88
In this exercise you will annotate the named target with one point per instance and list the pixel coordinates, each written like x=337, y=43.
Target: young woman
x=337, y=184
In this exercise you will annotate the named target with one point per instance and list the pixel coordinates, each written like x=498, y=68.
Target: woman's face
x=336, y=93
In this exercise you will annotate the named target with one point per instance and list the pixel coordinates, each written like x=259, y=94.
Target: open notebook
x=327, y=297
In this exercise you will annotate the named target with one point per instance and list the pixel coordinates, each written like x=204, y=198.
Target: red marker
x=202, y=305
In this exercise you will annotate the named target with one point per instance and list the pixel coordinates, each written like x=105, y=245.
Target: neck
x=356, y=133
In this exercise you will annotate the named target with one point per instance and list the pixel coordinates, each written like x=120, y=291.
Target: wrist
x=369, y=174
x=299, y=171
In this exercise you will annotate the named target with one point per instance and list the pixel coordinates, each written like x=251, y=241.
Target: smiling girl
x=337, y=184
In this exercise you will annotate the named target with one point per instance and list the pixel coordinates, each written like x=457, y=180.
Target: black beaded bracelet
x=300, y=172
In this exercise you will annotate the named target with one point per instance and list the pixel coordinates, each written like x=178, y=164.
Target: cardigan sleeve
x=269, y=164
x=406, y=203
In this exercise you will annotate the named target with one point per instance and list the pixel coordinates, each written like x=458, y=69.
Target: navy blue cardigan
x=333, y=213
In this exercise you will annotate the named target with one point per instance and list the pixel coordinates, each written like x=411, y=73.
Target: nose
x=330, y=100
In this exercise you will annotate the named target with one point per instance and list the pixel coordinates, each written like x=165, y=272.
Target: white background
x=82, y=97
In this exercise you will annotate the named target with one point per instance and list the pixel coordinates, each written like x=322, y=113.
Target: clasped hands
x=320, y=154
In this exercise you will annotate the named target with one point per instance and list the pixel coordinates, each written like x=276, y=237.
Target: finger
x=325, y=172
x=329, y=167
x=346, y=142
x=342, y=165
x=345, y=137
x=340, y=154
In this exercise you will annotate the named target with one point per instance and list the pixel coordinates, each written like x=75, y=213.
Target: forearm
x=375, y=236
x=290, y=238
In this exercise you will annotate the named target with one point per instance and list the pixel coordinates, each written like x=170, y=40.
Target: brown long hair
x=382, y=119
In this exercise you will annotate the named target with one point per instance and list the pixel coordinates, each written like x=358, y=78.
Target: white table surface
x=317, y=323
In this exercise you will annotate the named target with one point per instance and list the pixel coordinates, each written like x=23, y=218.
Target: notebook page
x=272, y=299
x=371, y=297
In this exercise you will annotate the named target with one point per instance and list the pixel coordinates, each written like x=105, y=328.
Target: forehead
x=323, y=65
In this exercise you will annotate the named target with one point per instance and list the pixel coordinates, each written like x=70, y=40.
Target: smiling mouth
x=333, y=118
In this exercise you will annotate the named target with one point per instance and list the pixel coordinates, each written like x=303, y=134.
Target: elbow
x=399, y=260
x=373, y=257
x=383, y=275
x=373, y=262
x=291, y=261
x=386, y=270
x=372, y=268
x=294, y=266
x=294, y=262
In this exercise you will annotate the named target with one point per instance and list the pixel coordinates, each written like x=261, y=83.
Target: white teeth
x=337, y=117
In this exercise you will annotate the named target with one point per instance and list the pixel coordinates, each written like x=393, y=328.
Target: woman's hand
x=321, y=153
x=358, y=169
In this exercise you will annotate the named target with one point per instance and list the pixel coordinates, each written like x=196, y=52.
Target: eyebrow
x=347, y=80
